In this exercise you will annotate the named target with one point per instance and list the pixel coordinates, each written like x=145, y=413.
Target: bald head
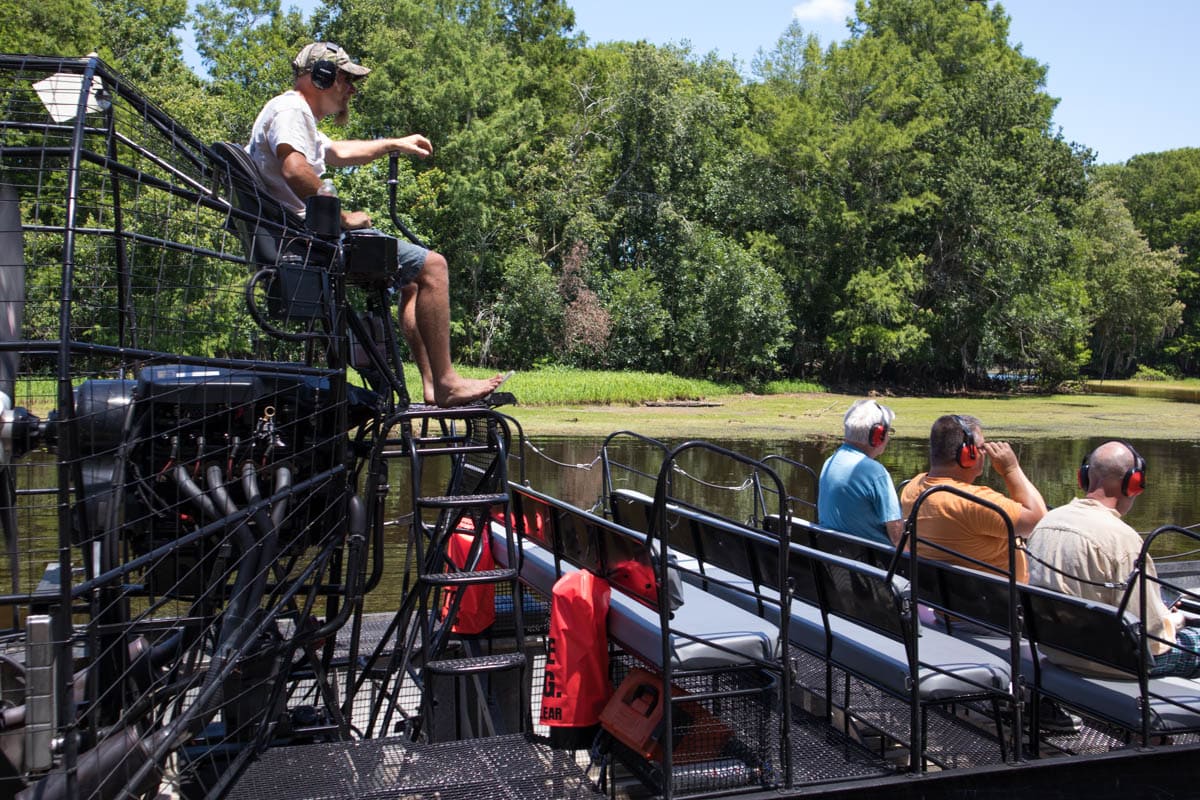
x=1107, y=465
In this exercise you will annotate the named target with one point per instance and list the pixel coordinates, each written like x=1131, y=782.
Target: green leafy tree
x=925, y=139
x=1131, y=286
x=638, y=320
x=1162, y=193
x=527, y=316
x=247, y=47
x=50, y=28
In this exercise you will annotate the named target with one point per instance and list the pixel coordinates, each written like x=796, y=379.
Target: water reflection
x=569, y=468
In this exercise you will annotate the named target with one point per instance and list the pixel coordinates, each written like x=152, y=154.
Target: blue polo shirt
x=856, y=495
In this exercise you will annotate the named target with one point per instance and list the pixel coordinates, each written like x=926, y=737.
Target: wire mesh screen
x=179, y=520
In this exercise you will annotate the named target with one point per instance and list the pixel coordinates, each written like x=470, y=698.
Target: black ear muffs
x=967, y=454
x=324, y=73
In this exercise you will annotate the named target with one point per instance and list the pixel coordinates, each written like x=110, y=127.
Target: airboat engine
x=183, y=447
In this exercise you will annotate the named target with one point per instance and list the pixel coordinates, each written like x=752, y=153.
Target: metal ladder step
x=477, y=664
x=482, y=576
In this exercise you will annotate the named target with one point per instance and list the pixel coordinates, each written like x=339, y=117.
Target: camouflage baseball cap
x=307, y=58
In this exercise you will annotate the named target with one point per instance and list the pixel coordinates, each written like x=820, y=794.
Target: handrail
x=658, y=527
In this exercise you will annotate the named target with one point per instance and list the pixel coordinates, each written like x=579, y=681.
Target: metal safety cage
x=181, y=529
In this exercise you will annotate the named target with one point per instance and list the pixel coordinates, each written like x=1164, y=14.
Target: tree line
x=895, y=207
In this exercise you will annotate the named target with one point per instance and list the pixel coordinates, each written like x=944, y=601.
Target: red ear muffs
x=877, y=435
x=1134, y=482
x=968, y=452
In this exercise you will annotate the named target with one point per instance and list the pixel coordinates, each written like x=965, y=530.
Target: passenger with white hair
x=856, y=494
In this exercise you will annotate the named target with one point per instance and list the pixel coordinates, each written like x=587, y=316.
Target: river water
x=1172, y=496
x=569, y=468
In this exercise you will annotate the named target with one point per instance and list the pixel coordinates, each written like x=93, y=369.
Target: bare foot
x=467, y=390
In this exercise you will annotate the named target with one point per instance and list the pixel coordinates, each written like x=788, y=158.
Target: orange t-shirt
x=968, y=528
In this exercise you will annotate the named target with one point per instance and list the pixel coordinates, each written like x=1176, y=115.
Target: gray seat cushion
x=951, y=668
x=1108, y=698
x=1119, y=700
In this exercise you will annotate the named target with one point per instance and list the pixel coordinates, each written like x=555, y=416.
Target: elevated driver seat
x=276, y=239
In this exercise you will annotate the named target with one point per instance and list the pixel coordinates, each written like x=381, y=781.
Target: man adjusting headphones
x=292, y=154
x=971, y=531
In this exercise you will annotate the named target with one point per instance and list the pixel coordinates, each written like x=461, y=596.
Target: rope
x=1193, y=526
x=1120, y=585
x=743, y=486
x=587, y=466
x=1178, y=556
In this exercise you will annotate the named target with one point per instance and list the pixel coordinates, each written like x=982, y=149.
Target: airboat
x=210, y=469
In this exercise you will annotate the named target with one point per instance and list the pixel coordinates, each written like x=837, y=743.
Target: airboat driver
x=292, y=155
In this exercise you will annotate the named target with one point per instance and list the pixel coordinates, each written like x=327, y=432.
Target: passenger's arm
x=1020, y=488
x=895, y=529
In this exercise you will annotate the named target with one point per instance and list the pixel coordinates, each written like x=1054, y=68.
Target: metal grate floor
x=951, y=742
x=821, y=754
x=509, y=767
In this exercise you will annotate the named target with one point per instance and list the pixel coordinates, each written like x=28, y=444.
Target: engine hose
x=194, y=493
x=268, y=531
x=354, y=568
x=105, y=771
x=283, y=482
x=236, y=619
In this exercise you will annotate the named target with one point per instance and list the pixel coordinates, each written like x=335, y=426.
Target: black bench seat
x=849, y=613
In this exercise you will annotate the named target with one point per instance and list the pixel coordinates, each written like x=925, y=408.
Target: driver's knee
x=435, y=272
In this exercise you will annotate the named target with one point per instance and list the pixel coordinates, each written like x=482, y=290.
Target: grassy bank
x=562, y=402
x=725, y=415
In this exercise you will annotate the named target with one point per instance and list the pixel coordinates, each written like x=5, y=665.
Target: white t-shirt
x=286, y=119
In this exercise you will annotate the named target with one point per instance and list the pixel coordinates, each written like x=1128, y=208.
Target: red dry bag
x=477, y=611
x=576, y=684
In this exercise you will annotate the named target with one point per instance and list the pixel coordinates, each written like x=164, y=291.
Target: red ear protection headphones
x=1133, y=482
x=967, y=454
x=324, y=72
x=879, y=431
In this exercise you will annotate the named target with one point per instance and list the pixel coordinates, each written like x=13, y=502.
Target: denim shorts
x=409, y=260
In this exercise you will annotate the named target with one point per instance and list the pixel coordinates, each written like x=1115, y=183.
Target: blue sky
x=1126, y=72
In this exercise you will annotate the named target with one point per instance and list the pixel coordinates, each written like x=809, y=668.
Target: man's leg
x=431, y=310
x=1182, y=660
x=416, y=347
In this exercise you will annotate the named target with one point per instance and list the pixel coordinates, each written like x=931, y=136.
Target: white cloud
x=815, y=11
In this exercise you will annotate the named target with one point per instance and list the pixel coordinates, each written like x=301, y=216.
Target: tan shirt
x=1087, y=539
